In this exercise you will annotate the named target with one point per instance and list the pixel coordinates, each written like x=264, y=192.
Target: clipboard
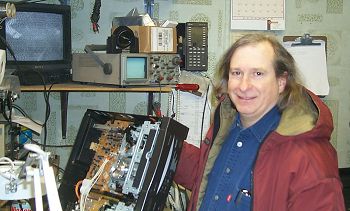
x=306, y=39
x=310, y=55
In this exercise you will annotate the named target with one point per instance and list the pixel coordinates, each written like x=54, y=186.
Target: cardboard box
x=153, y=39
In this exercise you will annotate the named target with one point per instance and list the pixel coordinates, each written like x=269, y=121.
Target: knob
x=176, y=61
x=170, y=77
x=160, y=78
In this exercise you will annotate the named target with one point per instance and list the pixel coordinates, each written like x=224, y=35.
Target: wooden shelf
x=64, y=89
x=76, y=87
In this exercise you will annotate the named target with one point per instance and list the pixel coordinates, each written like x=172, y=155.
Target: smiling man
x=268, y=148
x=252, y=83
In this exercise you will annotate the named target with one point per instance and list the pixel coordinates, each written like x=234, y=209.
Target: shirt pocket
x=242, y=202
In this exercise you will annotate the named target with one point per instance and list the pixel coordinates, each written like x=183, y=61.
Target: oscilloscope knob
x=176, y=60
x=160, y=78
x=170, y=77
x=156, y=58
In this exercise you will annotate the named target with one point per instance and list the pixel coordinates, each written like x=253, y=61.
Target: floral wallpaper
x=317, y=17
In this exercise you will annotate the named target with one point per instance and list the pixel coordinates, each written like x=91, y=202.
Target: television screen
x=136, y=68
x=40, y=38
x=45, y=43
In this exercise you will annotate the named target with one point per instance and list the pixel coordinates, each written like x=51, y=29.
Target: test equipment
x=127, y=68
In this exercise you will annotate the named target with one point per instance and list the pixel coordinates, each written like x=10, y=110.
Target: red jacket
x=296, y=167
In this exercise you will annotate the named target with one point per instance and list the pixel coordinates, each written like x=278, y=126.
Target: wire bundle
x=95, y=16
x=89, y=183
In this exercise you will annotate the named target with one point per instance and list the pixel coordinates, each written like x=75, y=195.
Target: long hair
x=283, y=63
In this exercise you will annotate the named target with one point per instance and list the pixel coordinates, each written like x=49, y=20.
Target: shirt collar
x=266, y=124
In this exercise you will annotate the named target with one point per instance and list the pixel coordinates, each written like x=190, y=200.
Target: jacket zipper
x=252, y=187
x=252, y=174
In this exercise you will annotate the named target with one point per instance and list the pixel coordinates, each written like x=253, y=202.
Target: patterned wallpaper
x=317, y=17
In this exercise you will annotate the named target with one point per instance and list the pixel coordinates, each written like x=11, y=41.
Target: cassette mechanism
x=123, y=161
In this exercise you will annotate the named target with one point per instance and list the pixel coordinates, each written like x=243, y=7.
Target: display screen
x=35, y=36
x=136, y=68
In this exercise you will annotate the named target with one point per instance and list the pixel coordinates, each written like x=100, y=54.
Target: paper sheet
x=258, y=14
x=189, y=112
x=312, y=64
x=27, y=123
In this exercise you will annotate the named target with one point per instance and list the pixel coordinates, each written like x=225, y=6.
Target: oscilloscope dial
x=164, y=68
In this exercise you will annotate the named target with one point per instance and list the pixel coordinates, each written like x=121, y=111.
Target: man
x=268, y=148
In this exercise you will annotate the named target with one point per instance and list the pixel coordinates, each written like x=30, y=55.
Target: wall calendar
x=258, y=14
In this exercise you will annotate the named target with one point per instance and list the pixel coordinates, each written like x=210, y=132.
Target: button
x=216, y=197
x=239, y=144
x=229, y=197
x=206, y=141
x=228, y=170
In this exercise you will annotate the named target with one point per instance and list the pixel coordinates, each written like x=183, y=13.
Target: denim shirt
x=230, y=181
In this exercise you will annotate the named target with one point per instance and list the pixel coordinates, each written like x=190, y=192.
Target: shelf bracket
x=64, y=108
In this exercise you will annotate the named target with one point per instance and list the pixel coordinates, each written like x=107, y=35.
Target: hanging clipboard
x=309, y=54
x=306, y=39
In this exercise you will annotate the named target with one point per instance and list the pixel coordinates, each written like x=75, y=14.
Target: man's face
x=253, y=86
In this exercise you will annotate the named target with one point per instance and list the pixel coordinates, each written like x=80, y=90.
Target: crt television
x=40, y=38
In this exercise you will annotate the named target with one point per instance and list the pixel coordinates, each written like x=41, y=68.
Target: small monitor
x=136, y=68
x=40, y=38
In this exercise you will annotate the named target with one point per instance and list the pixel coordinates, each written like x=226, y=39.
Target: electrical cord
x=173, y=105
x=95, y=16
x=28, y=1
x=18, y=108
x=204, y=108
x=87, y=185
x=160, y=94
x=156, y=105
x=76, y=189
x=59, y=168
x=46, y=94
x=43, y=125
x=47, y=114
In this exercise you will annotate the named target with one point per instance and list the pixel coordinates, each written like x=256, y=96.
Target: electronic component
x=122, y=37
x=193, y=45
x=128, y=69
x=123, y=161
